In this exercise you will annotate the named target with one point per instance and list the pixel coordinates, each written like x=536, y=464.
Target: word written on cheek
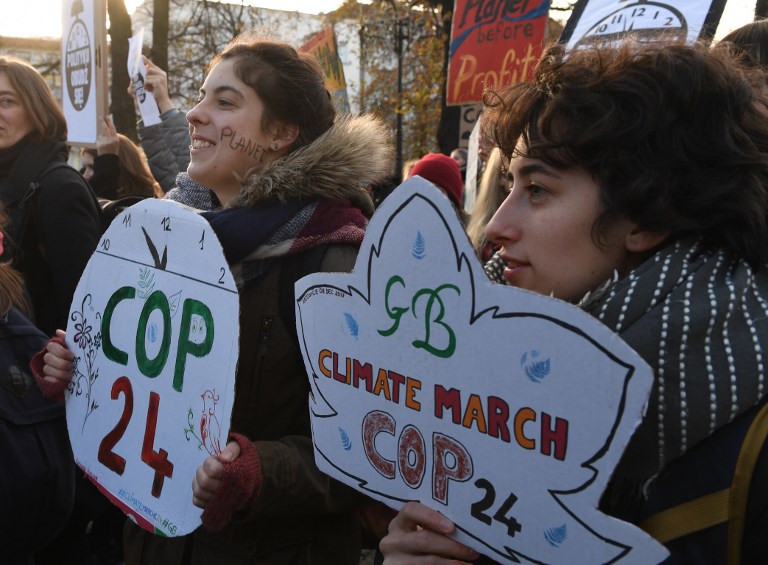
x=386, y=383
x=493, y=419
x=243, y=144
x=185, y=346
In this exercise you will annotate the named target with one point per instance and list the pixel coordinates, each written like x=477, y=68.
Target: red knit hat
x=443, y=171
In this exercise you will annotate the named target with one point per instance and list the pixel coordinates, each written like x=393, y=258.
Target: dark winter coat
x=300, y=516
x=61, y=232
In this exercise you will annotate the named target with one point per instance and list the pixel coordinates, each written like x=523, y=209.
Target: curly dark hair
x=675, y=136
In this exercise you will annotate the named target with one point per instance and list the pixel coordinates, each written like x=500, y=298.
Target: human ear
x=639, y=240
x=285, y=134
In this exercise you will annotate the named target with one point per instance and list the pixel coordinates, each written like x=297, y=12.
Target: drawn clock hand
x=159, y=263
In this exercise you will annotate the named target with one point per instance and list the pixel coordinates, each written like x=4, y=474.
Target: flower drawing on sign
x=85, y=371
x=210, y=431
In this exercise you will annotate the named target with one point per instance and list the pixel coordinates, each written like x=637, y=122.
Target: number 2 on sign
x=157, y=460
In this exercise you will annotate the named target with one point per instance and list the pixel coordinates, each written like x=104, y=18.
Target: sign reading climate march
x=154, y=329
x=503, y=409
x=84, y=60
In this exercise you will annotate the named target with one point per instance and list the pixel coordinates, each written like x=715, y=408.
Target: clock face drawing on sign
x=602, y=23
x=154, y=330
x=645, y=21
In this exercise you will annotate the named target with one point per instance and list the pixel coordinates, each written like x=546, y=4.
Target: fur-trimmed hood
x=340, y=164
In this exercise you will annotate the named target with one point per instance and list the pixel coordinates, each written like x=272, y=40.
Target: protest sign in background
x=154, y=329
x=607, y=22
x=324, y=48
x=493, y=44
x=84, y=59
x=137, y=74
x=503, y=409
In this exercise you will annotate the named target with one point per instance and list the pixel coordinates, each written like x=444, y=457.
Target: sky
x=46, y=19
x=46, y=22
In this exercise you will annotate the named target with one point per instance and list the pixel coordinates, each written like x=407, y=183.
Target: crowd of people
x=630, y=181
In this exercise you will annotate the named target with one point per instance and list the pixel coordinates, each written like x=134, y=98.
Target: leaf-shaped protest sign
x=505, y=410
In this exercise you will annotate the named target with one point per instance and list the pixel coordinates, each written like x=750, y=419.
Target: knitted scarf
x=191, y=193
x=699, y=318
x=253, y=236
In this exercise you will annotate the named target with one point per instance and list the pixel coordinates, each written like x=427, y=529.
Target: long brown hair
x=11, y=282
x=135, y=176
x=42, y=108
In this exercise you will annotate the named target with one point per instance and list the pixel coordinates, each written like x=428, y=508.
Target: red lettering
x=558, y=436
x=412, y=456
x=452, y=461
x=377, y=422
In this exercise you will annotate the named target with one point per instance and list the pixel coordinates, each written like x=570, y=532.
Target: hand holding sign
x=504, y=410
x=137, y=71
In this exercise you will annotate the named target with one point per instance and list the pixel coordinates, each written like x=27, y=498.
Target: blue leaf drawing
x=535, y=370
x=345, y=441
x=354, y=329
x=152, y=332
x=419, y=247
x=173, y=303
x=556, y=536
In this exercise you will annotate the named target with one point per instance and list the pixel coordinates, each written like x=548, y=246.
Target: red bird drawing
x=209, y=423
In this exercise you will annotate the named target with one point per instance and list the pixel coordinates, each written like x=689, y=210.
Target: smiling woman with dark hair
x=289, y=182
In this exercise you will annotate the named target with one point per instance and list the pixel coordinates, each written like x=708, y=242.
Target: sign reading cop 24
x=505, y=410
x=154, y=330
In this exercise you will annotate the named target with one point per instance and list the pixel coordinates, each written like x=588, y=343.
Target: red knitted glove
x=240, y=486
x=50, y=389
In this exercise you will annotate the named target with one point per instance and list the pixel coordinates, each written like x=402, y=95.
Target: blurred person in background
x=117, y=167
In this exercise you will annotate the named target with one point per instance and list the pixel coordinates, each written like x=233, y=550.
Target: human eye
x=224, y=103
x=7, y=101
x=536, y=192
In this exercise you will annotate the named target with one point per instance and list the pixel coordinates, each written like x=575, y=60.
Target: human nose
x=505, y=223
x=196, y=114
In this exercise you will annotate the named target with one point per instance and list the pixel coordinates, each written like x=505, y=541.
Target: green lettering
x=434, y=295
x=395, y=312
x=186, y=346
x=153, y=367
x=110, y=351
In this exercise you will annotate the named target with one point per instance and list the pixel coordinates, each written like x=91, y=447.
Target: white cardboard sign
x=84, y=61
x=503, y=409
x=154, y=328
x=137, y=73
x=608, y=22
